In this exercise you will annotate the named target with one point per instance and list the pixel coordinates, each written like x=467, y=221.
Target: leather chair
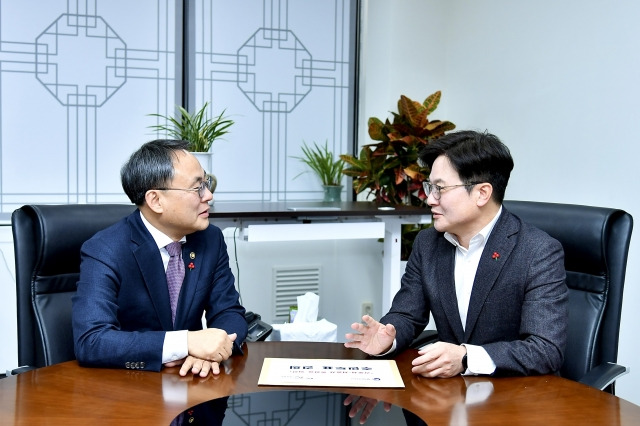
x=47, y=241
x=596, y=243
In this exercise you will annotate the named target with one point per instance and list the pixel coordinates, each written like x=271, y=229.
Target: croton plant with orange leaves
x=389, y=169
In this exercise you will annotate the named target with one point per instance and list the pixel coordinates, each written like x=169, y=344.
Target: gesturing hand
x=372, y=337
x=365, y=404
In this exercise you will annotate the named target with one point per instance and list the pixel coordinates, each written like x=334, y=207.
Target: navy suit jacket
x=121, y=309
x=518, y=311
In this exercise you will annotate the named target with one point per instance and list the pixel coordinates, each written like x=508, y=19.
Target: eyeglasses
x=205, y=184
x=436, y=190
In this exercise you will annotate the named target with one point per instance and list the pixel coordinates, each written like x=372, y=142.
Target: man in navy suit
x=122, y=316
x=494, y=284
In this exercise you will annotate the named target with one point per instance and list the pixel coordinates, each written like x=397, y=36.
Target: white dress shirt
x=175, y=344
x=466, y=266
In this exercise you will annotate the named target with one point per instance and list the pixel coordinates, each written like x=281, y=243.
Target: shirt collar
x=480, y=237
x=158, y=236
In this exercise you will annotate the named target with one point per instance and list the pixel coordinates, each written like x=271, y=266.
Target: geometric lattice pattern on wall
x=79, y=80
x=285, y=71
x=104, y=71
x=279, y=47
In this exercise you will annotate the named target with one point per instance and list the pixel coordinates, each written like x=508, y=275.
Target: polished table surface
x=72, y=395
x=318, y=209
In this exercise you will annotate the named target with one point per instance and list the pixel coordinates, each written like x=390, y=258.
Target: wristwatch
x=464, y=363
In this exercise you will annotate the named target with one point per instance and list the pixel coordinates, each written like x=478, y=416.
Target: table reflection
x=293, y=408
x=446, y=399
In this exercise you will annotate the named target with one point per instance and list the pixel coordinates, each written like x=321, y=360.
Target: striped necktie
x=175, y=275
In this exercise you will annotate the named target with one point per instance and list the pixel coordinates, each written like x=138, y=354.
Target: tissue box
x=315, y=331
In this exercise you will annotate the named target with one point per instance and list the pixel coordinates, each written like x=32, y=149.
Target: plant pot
x=214, y=182
x=332, y=193
x=205, y=159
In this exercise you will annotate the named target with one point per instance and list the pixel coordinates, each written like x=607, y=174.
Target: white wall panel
x=78, y=80
x=556, y=81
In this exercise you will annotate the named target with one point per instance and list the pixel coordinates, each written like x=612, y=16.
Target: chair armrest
x=19, y=370
x=603, y=375
x=426, y=337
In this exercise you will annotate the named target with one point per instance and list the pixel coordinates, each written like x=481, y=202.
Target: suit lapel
x=447, y=287
x=490, y=266
x=149, y=261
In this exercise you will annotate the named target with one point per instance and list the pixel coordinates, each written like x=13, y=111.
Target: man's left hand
x=196, y=366
x=439, y=360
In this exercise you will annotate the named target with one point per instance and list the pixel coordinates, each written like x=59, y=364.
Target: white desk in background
x=307, y=221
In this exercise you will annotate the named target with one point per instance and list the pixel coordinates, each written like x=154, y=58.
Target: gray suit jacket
x=518, y=308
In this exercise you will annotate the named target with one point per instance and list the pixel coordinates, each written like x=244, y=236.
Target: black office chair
x=596, y=244
x=47, y=241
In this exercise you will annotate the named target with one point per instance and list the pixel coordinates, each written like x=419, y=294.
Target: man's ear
x=485, y=189
x=154, y=201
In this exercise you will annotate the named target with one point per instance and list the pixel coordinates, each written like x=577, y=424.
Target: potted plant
x=321, y=161
x=389, y=169
x=197, y=129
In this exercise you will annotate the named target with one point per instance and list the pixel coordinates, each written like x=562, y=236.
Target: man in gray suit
x=494, y=284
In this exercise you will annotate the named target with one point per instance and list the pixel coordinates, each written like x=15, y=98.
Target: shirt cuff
x=393, y=348
x=478, y=361
x=175, y=346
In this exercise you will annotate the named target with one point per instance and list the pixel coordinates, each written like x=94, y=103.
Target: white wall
x=350, y=274
x=556, y=81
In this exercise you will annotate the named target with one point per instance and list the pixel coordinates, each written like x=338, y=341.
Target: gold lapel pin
x=192, y=255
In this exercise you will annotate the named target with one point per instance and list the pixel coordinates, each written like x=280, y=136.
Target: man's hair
x=477, y=157
x=150, y=167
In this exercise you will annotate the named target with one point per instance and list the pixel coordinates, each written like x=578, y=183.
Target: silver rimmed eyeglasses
x=204, y=185
x=436, y=190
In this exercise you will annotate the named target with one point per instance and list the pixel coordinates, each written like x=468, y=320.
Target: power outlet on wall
x=367, y=308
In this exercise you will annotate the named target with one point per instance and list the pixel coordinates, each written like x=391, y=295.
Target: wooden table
x=72, y=395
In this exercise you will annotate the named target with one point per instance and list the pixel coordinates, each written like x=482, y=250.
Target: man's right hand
x=372, y=337
x=211, y=344
x=365, y=404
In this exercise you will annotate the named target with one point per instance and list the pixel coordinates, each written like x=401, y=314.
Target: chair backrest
x=47, y=241
x=596, y=244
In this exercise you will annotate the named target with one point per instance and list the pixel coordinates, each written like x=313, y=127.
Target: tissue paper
x=307, y=308
x=305, y=326
x=316, y=331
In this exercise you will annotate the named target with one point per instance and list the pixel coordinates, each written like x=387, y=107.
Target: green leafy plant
x=322, y=162
x=196, y=128
x=389, y=169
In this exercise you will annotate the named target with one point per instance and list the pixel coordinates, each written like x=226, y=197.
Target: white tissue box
x=315, y=331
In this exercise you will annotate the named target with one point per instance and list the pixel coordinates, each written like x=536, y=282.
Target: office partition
x=78, y=81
